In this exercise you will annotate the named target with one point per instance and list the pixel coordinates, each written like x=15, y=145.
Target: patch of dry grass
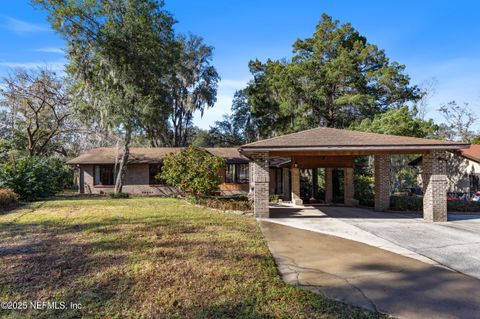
x=146, y=258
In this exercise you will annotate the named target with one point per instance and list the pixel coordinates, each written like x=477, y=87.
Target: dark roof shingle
x=338, y=138
x=145, y=155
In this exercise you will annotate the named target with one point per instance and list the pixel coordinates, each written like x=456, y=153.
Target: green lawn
x=146, y=258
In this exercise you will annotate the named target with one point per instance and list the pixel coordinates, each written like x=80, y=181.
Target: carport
x=335, y=148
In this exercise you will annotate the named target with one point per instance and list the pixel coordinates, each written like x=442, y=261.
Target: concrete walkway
x=454, y=244
x=370, y=277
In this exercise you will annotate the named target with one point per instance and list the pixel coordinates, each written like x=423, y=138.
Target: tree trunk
x=122, y=170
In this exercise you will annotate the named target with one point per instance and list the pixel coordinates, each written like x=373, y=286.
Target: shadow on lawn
x=83, y=263
x=94, y=263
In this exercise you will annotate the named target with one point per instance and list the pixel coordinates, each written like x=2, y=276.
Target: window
x=104, y=175
x=236, y=173
x=154, y=170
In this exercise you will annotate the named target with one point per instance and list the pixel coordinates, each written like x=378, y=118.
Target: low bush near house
x=240, y=203
x=415, y=203
x=406, y=203
x=33, y=177
x=463, y=206
x=8, y=198
x=275, y=198
x=119, y=195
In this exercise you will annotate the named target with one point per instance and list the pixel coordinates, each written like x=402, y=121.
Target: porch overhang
x=350, y=150
x=335, y=148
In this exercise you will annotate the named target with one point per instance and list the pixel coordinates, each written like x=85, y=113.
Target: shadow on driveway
x=370, y=277
x=318, y=211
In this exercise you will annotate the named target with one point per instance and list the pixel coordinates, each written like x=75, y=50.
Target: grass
x=146, y=258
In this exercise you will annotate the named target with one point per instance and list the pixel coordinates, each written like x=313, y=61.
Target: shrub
x=119, y=195
x=274, y=198
x=363, y=186
x=415, y=203
x=8, y=198
x=192, y=170
x=406, y=203
x=463, y=206
x=34, y=177
x=240, y=203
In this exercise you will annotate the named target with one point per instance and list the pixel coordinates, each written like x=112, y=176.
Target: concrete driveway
x=454, y=244
x=371, y=277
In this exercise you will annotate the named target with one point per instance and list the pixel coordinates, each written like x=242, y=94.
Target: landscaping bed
x=233, y=203
x=415, y=203
x=146, y=258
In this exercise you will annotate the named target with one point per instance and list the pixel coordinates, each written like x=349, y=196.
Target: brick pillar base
x=295, y=173
x=382, y=182
x=435, y=184
x=349, y=199
x=261, y=178
x=328, y=185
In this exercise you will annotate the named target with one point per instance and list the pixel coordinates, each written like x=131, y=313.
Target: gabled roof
x=145, y=155
x=338, y=139
x=138, y=155
x=472, y=153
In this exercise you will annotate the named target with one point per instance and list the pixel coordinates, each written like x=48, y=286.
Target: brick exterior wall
x=295, y=173
x=328, y=185
x=382, y=182
x=260, y=184
x=136, y=182
x=435, y=186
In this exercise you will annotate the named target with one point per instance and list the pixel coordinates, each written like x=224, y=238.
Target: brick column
x=286, y=183
x=328, y=185
x=349, y=199
x=435, y=185
x=251, y=182
x=295, y=173
x=261, y=179
x=382, y=182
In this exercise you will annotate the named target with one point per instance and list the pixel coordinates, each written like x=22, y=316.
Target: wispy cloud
x=50, y=50
x=20, y=26
x=53, y=65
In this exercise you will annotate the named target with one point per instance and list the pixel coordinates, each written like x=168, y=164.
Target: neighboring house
x=95, y=171
x=463, y=170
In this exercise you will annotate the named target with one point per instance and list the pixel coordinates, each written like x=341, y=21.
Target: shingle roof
x=472, y=153
x=230, y=153
x=330, y=138
x=145, y=155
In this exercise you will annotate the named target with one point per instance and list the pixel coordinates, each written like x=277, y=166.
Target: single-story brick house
x=272, y=166
x=95, y=171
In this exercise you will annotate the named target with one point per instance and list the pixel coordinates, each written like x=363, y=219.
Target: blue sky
x=438, y=41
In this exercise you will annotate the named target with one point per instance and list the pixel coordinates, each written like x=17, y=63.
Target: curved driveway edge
x=316, y=220
x=370, y=277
